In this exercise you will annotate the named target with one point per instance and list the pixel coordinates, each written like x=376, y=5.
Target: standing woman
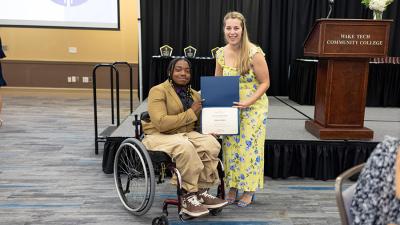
x=244, y=153
x=2, y=81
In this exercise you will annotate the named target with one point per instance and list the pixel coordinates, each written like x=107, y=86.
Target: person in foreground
x=377, y=196
x=174, y=110
x=244, y=153
x=2, y=81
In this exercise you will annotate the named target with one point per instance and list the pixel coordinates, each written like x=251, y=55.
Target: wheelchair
x=135, y=170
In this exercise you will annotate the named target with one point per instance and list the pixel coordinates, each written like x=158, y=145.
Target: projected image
x=99, y=14
x=69, y=3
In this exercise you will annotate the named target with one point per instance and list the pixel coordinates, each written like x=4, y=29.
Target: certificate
x=219, y=91
x=218, y=94
x=220, y=120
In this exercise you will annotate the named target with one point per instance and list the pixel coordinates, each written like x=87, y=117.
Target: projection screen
x=87, y=14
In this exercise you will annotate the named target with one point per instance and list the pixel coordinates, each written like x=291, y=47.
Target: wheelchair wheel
x=161, y=220
x=216, y=212
x=134, y=176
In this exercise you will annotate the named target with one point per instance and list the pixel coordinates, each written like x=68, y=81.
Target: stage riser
x=321, y=160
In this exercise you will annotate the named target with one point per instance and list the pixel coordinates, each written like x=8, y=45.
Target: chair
x=344, y=198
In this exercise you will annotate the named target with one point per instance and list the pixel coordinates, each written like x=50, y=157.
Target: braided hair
x=170, y=70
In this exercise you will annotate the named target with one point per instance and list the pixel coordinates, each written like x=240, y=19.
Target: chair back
x=344, y=198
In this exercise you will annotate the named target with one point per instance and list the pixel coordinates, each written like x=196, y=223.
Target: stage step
x=108, y=131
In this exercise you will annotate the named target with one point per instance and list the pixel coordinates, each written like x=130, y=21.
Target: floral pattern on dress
x=374, y=200
x=243, y=154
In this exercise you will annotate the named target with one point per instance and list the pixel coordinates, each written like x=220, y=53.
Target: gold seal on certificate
x=190, y=51
x=166, y=50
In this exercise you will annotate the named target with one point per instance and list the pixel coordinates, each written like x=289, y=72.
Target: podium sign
x=344, y=48
x=348, y=38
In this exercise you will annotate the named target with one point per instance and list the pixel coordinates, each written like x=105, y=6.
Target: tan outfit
x=171, y=130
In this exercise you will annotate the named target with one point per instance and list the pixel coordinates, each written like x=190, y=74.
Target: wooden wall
x=40, y=57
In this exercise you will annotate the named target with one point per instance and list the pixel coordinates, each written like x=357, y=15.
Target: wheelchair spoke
x=133, y=164
x=123, y=170
x=124, y=166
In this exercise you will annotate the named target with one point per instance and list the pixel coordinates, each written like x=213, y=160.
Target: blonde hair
x=243, y=62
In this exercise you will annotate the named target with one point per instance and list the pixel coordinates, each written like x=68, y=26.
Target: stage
x=289, y=149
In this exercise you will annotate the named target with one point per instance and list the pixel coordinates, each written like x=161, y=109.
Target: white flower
x=379, y=5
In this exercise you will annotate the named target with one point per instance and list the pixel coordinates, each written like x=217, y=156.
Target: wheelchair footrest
x=171, y=201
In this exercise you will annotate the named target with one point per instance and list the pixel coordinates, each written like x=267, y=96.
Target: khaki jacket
x=166, y=111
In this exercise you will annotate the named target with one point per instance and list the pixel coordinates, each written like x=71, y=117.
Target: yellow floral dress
x=243, y=154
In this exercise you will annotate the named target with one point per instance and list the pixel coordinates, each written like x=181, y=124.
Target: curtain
x=383, y=83
x=279, y=27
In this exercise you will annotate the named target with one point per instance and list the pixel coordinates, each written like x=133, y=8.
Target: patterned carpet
x=49, y=173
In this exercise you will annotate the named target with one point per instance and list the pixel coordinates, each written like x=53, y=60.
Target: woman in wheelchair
x=174, y=110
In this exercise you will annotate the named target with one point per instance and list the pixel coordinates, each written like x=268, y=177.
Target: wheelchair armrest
x=137, y=123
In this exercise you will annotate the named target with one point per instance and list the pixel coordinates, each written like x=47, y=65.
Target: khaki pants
x=195, y=156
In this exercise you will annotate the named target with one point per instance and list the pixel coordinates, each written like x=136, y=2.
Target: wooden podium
x=344, y=47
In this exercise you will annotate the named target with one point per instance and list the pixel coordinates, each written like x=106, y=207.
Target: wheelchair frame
x=133, y=163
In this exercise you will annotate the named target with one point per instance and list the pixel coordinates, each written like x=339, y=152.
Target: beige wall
x=40, y=44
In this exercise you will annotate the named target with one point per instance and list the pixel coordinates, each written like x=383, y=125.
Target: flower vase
x=377, y=15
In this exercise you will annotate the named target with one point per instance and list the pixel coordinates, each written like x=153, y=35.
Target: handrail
x=94, y=76
x=130, y=82
x=113, y=69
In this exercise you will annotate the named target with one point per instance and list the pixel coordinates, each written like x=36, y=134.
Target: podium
x=344, y=47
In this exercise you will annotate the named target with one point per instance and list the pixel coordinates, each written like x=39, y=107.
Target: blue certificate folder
x=218, y=116
x=219, y=91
